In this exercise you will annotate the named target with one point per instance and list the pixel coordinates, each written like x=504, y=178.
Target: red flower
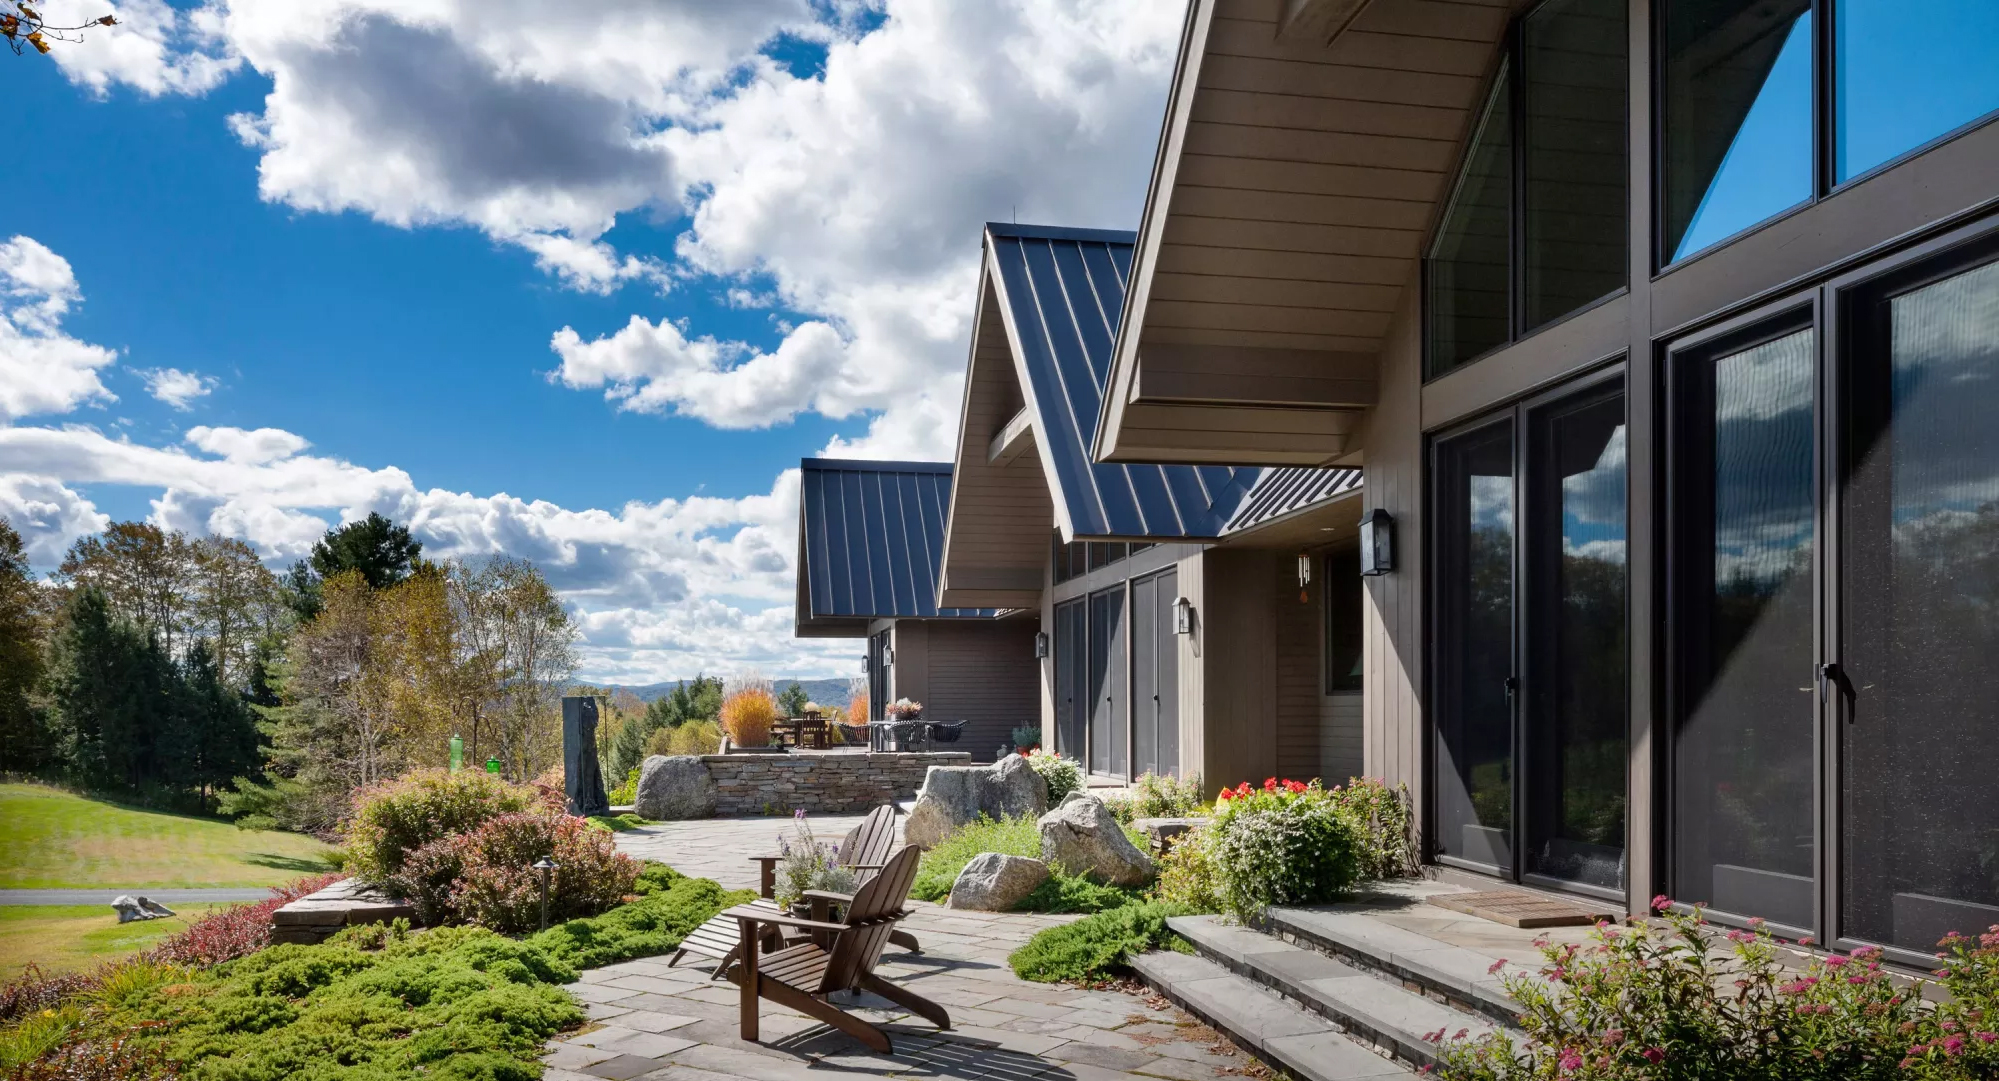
x=1270, y=784
x=1654, y=1056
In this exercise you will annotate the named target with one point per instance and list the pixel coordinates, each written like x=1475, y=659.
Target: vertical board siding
x=986, y=674
x=1240, y=657
x=1340, y=721
x=1393, y=676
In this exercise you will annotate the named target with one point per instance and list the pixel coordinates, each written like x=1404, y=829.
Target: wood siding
x=1393, y=723
x=984, y=673
x=1300, y=670
x=1238, y=647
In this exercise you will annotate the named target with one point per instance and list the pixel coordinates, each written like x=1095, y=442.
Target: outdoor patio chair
x=863, y=851
x=840, y=955
x=942, y=732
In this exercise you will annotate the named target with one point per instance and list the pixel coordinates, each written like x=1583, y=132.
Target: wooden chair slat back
x=885, y=892
x=873, y=838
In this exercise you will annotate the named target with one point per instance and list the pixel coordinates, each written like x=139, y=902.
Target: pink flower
x=1661, y=903
x=1654, y=1056
x=1613, y=1037
x=1835, y=961
x=1571, y=1059
x=1496, y=966
x=1985, y=1037
x=1953, y=1045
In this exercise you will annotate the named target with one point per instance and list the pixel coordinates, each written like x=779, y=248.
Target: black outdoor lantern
x=1183, y=616
x=1377, y=542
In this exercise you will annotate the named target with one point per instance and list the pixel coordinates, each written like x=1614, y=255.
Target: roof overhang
x=1306, y=147
x=870, y=536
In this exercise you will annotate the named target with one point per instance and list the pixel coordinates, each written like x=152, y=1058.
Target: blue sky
x=577, y=290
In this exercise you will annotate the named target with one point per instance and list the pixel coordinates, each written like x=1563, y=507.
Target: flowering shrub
x=1155, y=796
x=804, y=864
x=1687, y=1000
x=500, y=888
x=395, y=818
x=1187, y=875
x=1061, y=775
x=224, y=934
x=748, y=715
x=1283, y=844
x=429, y=877
x=1380, y=818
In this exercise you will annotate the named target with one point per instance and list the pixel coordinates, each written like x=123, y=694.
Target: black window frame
x=1512, y=63
x=1825, y=146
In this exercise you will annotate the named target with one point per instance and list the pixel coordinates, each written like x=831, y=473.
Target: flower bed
x=1685, y=999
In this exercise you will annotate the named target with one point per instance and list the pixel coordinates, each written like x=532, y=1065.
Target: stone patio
x=655, y=1022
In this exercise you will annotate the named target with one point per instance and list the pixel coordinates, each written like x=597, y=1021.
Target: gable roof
x=870, y=538
x=1048, y=306
x=1293, y=488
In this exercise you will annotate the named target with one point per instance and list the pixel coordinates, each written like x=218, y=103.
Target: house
x=870, y=535
x=1666, y=336
x=1193, y=621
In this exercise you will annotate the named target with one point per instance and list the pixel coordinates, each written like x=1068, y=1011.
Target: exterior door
x=1155, y=675
x=878, y=686
x=1072, y=697
x=1109, y=736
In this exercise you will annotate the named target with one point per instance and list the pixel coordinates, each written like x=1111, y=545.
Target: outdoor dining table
x=883, y=732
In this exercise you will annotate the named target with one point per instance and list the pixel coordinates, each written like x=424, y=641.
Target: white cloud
x=47, y=515
x=42, y=369
x=654, y=368
x=155, y=48
x=238, y=445
x=177, y=388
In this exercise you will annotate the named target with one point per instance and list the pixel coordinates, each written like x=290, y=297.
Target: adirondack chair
x=839, y=956
x=863, y=851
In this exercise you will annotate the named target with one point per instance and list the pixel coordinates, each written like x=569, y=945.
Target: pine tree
x=24, y=738
x=217, y=724
x=110, y=692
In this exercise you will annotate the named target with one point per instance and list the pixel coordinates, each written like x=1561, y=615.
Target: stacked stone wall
x=837, y=783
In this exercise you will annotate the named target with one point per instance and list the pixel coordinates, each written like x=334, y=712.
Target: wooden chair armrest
x=765, y=915
x=764, y=859
x=829, y=895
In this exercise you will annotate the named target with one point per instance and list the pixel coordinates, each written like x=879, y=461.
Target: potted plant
x=902, y=709
x=1026, y=738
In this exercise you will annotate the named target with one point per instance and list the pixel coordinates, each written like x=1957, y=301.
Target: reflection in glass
x=1743, y=757
x=1738, y=117
x=1578, y=690
x=1469, y=303
x=1475, y=646
x=1919, y=815
x=1575, y=89
x=1109, y=734
x=1907, y=71
x=1346, y=642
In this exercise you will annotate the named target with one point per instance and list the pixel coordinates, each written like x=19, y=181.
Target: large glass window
x=1474, y=651
x=1743, y=750
x=1919, y=616
x=1907, y=71
x=1575, y=174
x=1577, y=666
x=1737, y=98
x=1470, y=302
x=1345, y=641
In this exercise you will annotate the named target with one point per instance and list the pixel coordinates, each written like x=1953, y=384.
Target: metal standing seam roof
x=1061, y=291
x=1281, y=491
x=871, y=539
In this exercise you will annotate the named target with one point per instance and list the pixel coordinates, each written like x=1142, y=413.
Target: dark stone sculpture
x=582, y=780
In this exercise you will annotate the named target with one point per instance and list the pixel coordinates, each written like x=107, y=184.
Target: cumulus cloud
x=177, y=388
x=252, y=447
x=155, y=48
x=42, y=369
x=654, y=367
x=48, y=516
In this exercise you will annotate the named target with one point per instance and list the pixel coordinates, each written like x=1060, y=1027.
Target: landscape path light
x=544, y=865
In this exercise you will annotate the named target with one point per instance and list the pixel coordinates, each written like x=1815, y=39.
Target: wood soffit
x=1306, y=149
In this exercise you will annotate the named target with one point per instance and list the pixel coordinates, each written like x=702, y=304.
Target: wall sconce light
x=1183, y=616
x=1040, y=644
x=888, y=655
x=1377, y=542
x=1304, y=577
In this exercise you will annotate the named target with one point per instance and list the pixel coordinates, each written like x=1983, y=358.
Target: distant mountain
x=832, y=692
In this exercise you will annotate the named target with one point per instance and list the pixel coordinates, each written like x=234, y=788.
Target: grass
x=63, y=938
x=617, y=823
x=55, y=839
x=1021, y=836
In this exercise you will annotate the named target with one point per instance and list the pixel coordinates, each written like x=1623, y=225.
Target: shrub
x=1380, y=819
x=627, y=791
x=1684, y=1000
x=499, y=887
x=690, y=737
x=1094, y=948
x=115, y=1058
x=34, y=991
x=1284, y=844
x=429, y=877
x=1062, y=775
x=1154, y=796
x=616, y=823
x=1063, y=892
x=669, y=907
x=395, y=818
x=1187, y=876
x=224, y=934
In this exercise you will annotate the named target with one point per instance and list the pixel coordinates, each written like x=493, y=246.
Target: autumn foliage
x=747, y=716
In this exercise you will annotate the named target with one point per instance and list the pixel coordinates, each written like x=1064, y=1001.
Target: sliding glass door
x=1529, y=692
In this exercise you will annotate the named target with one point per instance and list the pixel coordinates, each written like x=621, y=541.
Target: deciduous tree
x=23, y=736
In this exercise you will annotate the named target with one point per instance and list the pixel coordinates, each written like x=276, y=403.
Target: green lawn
x=52, y=839
x=62, y=937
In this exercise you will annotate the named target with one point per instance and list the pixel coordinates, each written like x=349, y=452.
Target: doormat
x=1517, y=909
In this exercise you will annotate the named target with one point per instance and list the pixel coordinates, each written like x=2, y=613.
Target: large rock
x=1083, y=838
x=675, y=787
x=955, y=796
x=995, y=882
x=139, y=908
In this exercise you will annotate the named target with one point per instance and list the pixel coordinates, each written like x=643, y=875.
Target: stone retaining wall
x=831, y=783
x=345, y=903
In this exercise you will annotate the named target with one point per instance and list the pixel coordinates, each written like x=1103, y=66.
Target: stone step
x=1302, y=1044
x=1394, y=1019
x=1460, y=976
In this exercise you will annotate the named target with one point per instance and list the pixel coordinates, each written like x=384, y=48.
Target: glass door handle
x=1833, y=679
x=1512, y=688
